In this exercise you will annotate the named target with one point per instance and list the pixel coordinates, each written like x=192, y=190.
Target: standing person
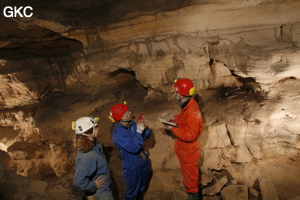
x=189, y=127
x=92, y=173
x=129, y=137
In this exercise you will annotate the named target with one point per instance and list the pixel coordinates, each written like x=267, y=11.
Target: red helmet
x=117, y=111
x=184, y=86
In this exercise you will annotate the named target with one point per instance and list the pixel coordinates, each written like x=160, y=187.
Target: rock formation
x=75, y=58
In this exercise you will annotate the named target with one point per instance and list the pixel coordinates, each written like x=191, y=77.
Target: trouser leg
x=190, y=175
x=133, y=183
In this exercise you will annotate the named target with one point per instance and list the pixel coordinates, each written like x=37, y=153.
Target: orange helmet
x=117, y=111
x=184, y=86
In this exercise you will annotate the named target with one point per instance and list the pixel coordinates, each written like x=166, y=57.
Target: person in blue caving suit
x=92, y=174
x=129, y=138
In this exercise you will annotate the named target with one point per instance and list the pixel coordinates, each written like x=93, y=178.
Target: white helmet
x=83, y=124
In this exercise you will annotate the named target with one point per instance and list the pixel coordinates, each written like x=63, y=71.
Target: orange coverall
x=187, y=146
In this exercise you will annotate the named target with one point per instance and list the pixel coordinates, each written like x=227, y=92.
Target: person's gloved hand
x=140, y=127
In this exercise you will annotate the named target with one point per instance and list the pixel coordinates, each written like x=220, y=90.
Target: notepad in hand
x=167, y=123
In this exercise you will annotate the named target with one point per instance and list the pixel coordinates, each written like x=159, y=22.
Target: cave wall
x=243, y=57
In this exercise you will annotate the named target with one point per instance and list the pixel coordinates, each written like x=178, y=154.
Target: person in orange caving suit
x=189, y=127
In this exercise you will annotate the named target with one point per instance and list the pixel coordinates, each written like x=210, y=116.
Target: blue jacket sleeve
x=131, y=143
x=146, y=133
x=85, y=167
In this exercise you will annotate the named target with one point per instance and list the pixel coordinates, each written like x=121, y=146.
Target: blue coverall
x=135, y=161
x=89, y=166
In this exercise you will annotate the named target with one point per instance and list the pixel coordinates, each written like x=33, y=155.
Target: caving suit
x=135, y=161
x=89, y=166
x=187, y=146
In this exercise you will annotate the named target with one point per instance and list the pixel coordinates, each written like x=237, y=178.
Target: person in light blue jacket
x=129, y=137
x=92, y=174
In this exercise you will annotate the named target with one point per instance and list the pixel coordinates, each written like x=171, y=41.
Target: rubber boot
x=193, y=196
x=140, y=196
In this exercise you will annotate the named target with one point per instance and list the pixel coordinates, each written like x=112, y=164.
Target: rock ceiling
x=76, y=58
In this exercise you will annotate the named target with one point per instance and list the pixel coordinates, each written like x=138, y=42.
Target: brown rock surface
x=79, y=58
